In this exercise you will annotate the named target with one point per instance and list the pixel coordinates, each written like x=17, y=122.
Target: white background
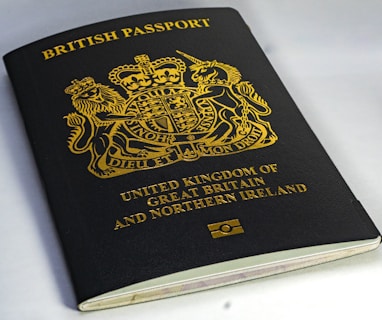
x=329, y=56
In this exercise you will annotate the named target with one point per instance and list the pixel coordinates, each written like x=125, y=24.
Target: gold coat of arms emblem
x=159, y=120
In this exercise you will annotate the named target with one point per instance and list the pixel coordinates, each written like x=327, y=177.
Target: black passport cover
x=189, y=120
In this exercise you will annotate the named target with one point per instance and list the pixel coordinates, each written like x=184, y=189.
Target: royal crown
x=146, y=73
x=78, y=87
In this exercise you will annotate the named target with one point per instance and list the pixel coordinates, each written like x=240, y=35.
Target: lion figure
x=100, y=112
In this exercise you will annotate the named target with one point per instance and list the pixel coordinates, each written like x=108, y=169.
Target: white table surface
x=329, y=56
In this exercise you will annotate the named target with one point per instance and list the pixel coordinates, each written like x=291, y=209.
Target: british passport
x=174, y=160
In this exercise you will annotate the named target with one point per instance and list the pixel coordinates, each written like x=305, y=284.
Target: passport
x=174, y=160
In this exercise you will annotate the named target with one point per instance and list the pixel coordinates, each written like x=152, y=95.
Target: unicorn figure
x=238, y=105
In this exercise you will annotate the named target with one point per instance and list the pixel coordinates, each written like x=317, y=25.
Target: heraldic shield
x=161, y=120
